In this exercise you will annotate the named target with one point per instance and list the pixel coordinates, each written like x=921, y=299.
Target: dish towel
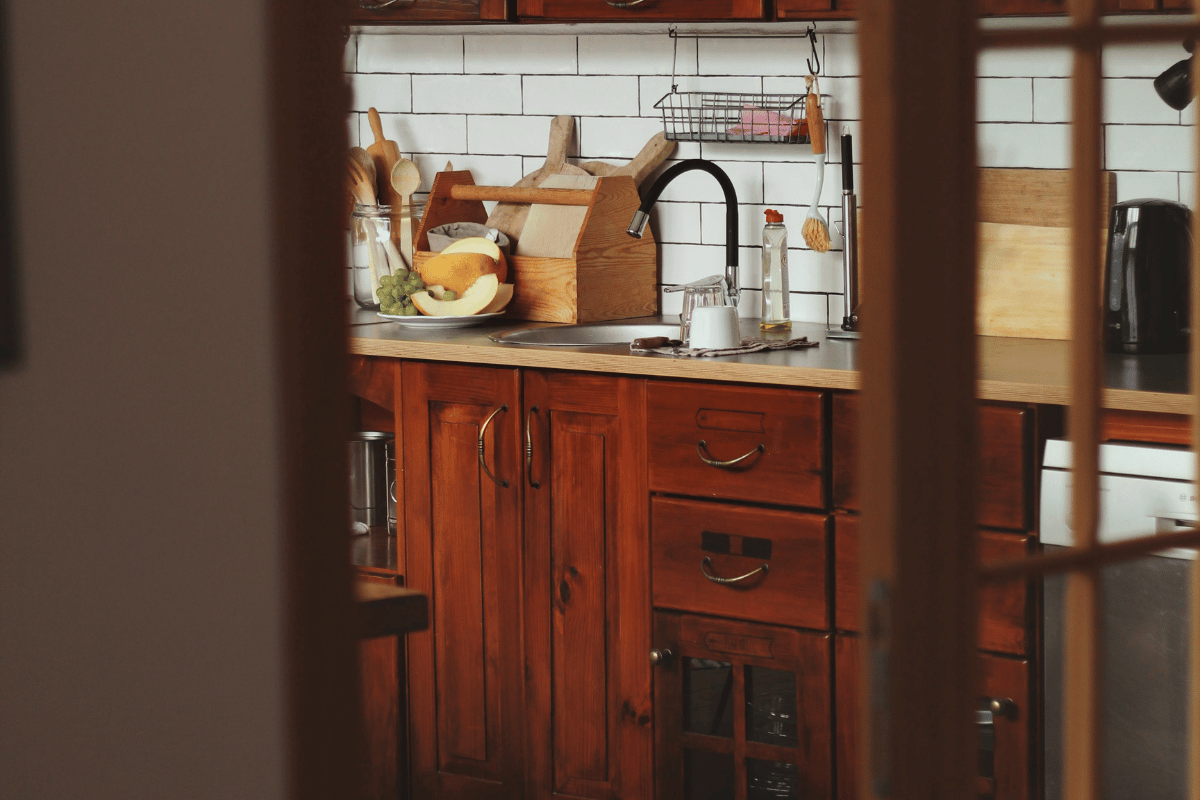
x=671, y=347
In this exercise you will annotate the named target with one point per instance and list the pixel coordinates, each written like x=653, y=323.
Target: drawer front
x=1004, y=619
x=1004, y=471
x=737, y=443
x=693, y=540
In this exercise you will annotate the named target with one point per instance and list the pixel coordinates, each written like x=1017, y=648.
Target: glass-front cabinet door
x=742, y=711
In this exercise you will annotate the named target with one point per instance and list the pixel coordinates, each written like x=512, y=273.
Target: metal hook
x=811, y=33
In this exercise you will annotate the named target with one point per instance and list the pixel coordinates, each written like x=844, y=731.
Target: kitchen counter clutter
x=1010, y=369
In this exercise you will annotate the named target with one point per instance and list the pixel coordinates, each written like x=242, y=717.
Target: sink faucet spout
x=638, y=224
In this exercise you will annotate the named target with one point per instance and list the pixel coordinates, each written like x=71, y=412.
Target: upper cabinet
x=644, y=10
x=367, y=11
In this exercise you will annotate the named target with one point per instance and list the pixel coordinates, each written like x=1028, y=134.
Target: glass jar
x=375, y=247
x=776, y=303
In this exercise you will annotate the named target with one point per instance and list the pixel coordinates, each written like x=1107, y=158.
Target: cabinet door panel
x=1005, y=770
x=647, y=10
x=426, y=10
x=381, y=689
x=463, y=550
x=587, y=587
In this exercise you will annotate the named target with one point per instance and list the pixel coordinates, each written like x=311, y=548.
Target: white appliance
x=1144, y=489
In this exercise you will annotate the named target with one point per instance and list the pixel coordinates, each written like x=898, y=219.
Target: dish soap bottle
x=776, y=304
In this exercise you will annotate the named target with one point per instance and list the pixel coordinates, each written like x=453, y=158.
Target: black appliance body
x=1146, y=278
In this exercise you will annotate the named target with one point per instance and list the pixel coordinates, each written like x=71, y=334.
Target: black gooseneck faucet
x=642, y=215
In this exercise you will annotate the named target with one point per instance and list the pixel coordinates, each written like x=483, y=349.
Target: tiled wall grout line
x=441, y=93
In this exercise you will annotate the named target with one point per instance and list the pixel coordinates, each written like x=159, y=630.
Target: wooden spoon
x=362, y=180
x=405, y=180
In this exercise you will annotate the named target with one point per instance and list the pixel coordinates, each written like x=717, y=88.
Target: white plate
x=440, y=322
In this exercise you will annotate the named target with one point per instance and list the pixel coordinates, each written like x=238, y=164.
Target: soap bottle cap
x=773, y=216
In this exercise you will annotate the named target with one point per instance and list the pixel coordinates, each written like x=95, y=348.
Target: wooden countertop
x=1017, y=370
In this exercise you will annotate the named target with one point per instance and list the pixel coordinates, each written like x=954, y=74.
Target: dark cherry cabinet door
x=587, y=587
x=463, y=546
x=741, y=710
x=367, y=11
x=381, y=688
x=1005, y=722
x=645, y=10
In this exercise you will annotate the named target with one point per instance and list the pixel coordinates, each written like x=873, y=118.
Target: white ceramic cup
x=714, y=328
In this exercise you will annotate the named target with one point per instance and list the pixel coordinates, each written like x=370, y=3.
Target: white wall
x=483, y=98
x=140, y=558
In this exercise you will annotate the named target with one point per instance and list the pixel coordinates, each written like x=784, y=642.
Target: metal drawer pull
x=706, y=563
x=483, y=430
x=702, y=451
x=529, y=448
x=627, y=4
x=366, y=5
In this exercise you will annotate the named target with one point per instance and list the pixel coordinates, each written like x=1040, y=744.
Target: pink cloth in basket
x=759, y=122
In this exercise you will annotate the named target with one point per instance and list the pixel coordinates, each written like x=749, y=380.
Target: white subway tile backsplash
x=635, y=55
x=584, y=96
x=385, y=93
x=521, y=55
x=615, y=138
x=467, y=94
x=1004, y=99
x=1015, y=145
x=1133, y=185
x=754, y=57
x=1051, y=100
x=678, y=223
x=1149, y=147
x=495, y=134
x=420, y=55
x=421, y=133
x=1024, y=62
x=485, y=101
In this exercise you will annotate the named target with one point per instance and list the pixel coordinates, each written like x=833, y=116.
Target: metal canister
x=390, y=449
x=368, y=476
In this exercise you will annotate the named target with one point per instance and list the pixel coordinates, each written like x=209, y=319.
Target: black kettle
x=1146, y=278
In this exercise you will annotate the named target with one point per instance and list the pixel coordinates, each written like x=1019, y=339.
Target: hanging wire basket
x=733, y=117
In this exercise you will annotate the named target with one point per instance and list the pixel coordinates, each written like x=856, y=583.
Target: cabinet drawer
x=1004, y=619
x=692, y=540
x=1004, y=470
x=674, y=10
x=737, y=443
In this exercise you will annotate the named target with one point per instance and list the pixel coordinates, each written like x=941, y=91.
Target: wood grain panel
x=790, y=470
x=587, y=588
x=1005, y=616
x=578, y=538
x=1144, y=426
x=1005, y=473
x=1001, y=678
x=649, y=10
x=430, y=11
x=458, y=559
x=791, y=592
x=381, y=682
x=462, y=547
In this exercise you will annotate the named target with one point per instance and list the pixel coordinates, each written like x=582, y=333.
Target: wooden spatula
x=385, y=153
x=509, y=218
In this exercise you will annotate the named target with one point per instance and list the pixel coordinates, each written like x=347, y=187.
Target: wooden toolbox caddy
x=611, y=276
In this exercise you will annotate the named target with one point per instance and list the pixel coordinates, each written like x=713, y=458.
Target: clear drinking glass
x=370, y=235
x=695, y=295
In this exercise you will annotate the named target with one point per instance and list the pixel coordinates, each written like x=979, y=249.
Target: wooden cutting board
x=552, y=231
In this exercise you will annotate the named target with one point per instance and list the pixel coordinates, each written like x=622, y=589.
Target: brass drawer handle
x=706, y=563
x=483, y=430
x=627, y=4
x=702, y=451
x=529, y=448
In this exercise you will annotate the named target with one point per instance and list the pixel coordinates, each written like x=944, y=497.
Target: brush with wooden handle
x=815, y=234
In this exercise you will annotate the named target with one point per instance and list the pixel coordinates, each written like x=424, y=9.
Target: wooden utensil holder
x=611, y=275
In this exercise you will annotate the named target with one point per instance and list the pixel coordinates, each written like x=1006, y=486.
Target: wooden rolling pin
x=515, y=194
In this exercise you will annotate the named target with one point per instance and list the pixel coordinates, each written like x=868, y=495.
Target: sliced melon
x=478, y=244
x=503, y=295
x=476, y=298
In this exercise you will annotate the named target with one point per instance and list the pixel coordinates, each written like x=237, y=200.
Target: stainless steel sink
x=588, y=334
